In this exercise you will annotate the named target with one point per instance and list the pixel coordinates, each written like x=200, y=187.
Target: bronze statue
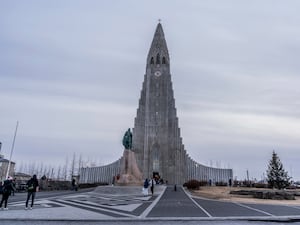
x=127, y=139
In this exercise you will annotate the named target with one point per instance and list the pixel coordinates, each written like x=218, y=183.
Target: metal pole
x=12, y=149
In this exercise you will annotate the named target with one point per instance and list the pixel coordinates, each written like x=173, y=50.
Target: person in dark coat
x=152, y=186
x=145, y=187
x=74, y=185
x=32, y=188
x=7, y=188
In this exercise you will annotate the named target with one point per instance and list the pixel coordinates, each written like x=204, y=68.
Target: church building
x=157, y=142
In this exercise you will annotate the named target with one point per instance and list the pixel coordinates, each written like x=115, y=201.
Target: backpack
x=6, y=188
x=146, y=184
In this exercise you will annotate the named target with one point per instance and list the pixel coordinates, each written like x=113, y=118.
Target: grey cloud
x=72, y=73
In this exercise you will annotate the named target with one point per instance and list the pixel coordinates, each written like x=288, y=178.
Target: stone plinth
x=130, y=173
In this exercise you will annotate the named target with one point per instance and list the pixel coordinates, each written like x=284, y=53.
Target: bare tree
x=25, y=170
x=73, y=165
x=65, y=169
x=21, y=167
x=79, y=164
x=32, y=168
x=51, y=173
x=41, y=169
x=58, y=173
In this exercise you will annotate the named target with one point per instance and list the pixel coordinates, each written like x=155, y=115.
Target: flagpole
x=12, y=149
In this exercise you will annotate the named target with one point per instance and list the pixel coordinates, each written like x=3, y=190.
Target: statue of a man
x=127, y=139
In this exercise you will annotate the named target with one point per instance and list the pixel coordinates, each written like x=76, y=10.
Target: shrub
x=203, y=182
x=221, y=183
x=192, y=184
x=260, y=185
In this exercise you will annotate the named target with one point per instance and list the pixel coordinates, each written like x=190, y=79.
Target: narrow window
x=163, y=60
x=155, y=158
x=151, y=60
x=157, y=59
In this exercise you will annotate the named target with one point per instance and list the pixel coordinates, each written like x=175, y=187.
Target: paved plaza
x=129, y=204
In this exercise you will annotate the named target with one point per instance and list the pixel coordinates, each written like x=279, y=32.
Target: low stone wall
x=268, y=194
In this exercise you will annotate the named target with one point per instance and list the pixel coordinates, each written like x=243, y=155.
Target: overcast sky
x=71, y=73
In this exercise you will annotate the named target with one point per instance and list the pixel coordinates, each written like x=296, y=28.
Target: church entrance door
x=156, y=177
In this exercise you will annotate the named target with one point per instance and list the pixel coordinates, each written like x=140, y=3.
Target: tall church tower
x=156, y=136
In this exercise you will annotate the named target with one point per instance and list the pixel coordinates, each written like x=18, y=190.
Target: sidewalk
x=104, y=203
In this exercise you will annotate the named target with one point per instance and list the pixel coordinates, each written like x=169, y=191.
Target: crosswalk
x=165, y=204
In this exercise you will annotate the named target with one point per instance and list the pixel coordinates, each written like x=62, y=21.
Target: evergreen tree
x=277, y=176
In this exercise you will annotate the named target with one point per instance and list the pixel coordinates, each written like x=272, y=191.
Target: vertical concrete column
x=86, y=175
x=101, y=173
x=89, y=175
x=195, y=165
x=93, y=174
x=81, y=175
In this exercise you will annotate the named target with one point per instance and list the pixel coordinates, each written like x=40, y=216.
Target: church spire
x=158, y=53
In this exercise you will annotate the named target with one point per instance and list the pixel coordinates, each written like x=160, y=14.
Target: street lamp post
x=12, y=149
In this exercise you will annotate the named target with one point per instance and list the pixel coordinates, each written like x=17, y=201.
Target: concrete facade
x=4, y=166
x=156, y=135
x=157, y=142
x=100, y=174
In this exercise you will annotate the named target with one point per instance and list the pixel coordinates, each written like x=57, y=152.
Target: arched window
x=163, y=60
x=158, y=59
x=151, y=60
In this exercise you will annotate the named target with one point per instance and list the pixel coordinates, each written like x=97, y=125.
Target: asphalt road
x=144, y=223
x=179, y=204
x=176, y=204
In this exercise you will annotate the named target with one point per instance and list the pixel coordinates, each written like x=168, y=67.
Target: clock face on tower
x=157, y=73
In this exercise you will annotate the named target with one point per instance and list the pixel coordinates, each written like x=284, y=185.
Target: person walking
x=32, y=188
x=7, y=188
x=145, y=187
x=74, y=185
x=152, y=186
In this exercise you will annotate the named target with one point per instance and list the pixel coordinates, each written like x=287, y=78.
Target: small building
x=21, y=180
x=4, y=166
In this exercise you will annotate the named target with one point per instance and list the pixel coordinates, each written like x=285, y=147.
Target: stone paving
x=128, y=203
x=104, y=203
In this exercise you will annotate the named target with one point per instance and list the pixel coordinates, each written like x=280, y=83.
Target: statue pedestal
x=130, y=173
